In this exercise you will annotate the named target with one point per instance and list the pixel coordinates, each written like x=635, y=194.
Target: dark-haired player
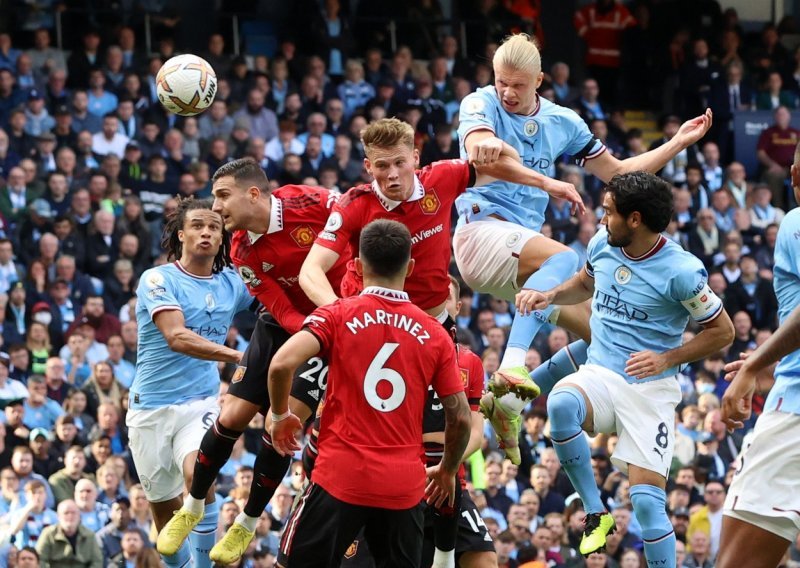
x=183, y=312
x=384, y=354
x=274, y=231
x=643, y=287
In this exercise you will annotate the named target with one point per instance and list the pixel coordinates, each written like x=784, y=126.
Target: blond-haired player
x=497, y=243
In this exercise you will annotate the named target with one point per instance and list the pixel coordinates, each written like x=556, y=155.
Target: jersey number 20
x=377, y=373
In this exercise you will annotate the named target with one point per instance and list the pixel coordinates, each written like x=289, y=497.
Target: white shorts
x=764, y=491
x=642, y=415
x=161, y=438
x=487, y=254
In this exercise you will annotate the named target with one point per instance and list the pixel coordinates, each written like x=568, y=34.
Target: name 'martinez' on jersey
x=164, y=377
x=644, y=303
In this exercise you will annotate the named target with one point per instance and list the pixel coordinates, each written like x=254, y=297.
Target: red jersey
x=384, y=353
x=427, y=214
x=270, y=263
x=779, y=144
x=470, y=370
x=602, y=32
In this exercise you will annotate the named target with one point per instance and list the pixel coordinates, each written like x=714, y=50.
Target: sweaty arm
x=313, y=278
x=457, y=430
x=715, y=336
x=182, y=340
x=494, y=159
x=605, y=166
x=296, y=351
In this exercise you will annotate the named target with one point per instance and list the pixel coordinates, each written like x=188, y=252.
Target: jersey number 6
x=377, y=373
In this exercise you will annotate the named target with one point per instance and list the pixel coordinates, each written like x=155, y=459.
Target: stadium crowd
x=90, y=165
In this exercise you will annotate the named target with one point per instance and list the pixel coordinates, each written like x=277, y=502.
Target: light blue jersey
x=164, y=377
x=644, y=303
x=785, y=394
x=540, y=138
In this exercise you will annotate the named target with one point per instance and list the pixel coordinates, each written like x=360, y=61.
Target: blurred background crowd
x=90, y=164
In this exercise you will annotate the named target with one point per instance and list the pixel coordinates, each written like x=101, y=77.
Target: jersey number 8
x=377, y=373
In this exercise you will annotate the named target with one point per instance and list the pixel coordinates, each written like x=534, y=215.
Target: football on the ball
x=186, y=85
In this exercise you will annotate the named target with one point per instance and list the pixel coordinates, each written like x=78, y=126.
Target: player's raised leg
x=268, y=471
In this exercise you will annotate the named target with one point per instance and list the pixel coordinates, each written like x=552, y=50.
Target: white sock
x=444, y=559
x=194, y=506
x=513, y=402
x=513, y=357
x=247, y=522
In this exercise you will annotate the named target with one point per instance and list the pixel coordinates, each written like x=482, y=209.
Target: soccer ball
x=186, y=85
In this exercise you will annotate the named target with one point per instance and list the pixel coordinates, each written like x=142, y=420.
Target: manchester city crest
x=531, y=128
x=623, y=275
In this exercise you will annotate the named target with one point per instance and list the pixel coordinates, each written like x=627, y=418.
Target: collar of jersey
x=180, y=267
x=275, y=219
x=388, y=293
x=659, y=244
x=390, y=204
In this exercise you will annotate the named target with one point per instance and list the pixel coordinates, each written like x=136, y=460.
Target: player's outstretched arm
x=313, y=275
x=475, y=434
x=576, y=290
x=736, y=404
x=458, y=421
x=715, y=336
x=606, y=166
x=495, y=159
x=285, y=425
x=182, y=340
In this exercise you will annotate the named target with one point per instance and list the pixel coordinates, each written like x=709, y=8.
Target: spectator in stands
x=111, y=535
x=102, y=387
x=11, y=96
x=712, y=171
x=82, y=119
x=85, y=551
x=55, y=379
x=45, y=58
x=723, y=207
x=776, y=152
x=588, y=104
x=774, y=95
x=10, y=389
x=109, y=140
x=22, y=465
x=697, y=77
x=40, y=411
x=601, y=25
x=551, y=502
x=15, y=197
x=37, y=119
x=32, y=517
x=754, y=295
x=64, y=481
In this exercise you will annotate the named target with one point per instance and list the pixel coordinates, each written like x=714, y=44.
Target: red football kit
x=471, y=372
x=270, y=263
x=427, y=214
x=384, y=352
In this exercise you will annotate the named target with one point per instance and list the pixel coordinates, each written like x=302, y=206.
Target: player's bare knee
x=236, y=413
x=299, y=408
x=478, y=560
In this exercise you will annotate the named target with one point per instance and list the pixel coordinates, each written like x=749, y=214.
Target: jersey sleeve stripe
x=316, y=336
x=479, y=127
x=713, y=316
x=166, y=308
x=593, y=155
x=589, y=270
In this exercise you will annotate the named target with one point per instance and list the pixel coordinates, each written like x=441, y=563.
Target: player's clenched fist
x=486, y=151
x=737, y=402
x=528, y=301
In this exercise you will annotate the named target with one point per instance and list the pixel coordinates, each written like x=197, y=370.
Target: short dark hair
x=646, y=193
x=30, y=549
x=385, y=247
x=174, y=247
x=244, y=170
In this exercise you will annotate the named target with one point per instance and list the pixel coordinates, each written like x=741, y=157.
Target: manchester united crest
x=430, y=202
x=351, y=550
x=304, y=236
x=238, y=374
x=464, y=376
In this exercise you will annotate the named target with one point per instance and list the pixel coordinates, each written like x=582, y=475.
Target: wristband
x=279, y=417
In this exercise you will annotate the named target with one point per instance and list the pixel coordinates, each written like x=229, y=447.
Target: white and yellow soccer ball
x=186, y=85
